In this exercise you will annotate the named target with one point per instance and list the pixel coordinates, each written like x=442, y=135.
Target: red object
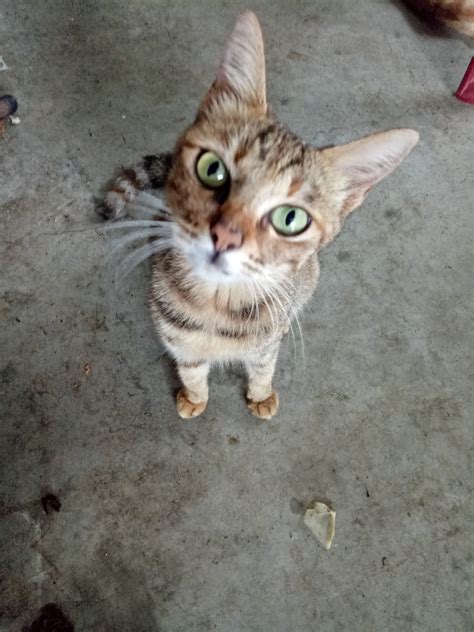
x=465, y=92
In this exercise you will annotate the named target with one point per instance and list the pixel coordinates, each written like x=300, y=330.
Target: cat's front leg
x=262, y=400
x=191, y=399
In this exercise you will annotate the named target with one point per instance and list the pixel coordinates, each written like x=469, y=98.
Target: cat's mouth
x=217, y=261
x=210, y=265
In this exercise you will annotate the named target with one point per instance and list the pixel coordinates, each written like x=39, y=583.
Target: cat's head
x=252, y=198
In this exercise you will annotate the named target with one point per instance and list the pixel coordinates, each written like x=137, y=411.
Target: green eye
x=289, y=220
x=211, y=170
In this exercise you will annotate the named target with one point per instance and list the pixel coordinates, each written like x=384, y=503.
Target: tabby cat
x=248, y=207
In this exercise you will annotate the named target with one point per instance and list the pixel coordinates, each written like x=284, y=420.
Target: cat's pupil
x=290, y=217
x=213, y=167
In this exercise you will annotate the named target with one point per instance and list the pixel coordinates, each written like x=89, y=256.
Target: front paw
x=186, y=408
x=266, y=408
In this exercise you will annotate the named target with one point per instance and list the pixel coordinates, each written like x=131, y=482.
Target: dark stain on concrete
x=393, y=213
x=344, y=255
x=8, y=374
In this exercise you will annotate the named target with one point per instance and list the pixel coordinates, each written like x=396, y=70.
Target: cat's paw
x=265, y=409
x=186, y=408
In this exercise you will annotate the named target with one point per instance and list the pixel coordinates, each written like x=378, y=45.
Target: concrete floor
x=174, y=526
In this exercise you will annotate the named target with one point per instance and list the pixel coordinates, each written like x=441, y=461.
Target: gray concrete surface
x=175, y=526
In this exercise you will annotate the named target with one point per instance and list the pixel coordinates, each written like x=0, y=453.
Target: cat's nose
x=225, y=237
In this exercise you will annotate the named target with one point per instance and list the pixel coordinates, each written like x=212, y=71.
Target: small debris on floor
x=321, y=521
x=50, y=503
x=234, y=440
x=3, y=65
x=50, y=619
x=87, y=368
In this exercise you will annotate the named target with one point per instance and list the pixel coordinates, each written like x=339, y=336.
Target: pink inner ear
x=365, y=162
x=358, y=166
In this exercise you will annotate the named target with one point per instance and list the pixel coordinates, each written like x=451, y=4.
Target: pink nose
x=225, y=237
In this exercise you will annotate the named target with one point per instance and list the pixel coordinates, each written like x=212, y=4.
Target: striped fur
x=213, y=307
x=150, y=173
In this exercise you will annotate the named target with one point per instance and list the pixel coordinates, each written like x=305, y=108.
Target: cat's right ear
x=242, y=69
x=356, y=167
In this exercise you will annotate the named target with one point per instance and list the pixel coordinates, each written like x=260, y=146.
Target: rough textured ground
x=175, y=526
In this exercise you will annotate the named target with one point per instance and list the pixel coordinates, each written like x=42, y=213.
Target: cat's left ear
x=356, y=167
x=242, y=69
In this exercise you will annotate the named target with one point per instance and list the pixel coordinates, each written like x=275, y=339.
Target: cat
x=248, y=207
x=456, y=14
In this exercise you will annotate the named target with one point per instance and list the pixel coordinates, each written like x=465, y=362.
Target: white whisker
x=293, y=312
x=147, y=204
x=137, y=212
x=254, y=307
x=136, y=223
x=146, y=251
x=122, y=242
x=150, y=200
x=288, y=318
x=273, y=289
x=257, y=301
x=284, y=293
x=264, y=292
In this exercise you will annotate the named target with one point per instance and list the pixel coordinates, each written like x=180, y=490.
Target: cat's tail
x=150, y=173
